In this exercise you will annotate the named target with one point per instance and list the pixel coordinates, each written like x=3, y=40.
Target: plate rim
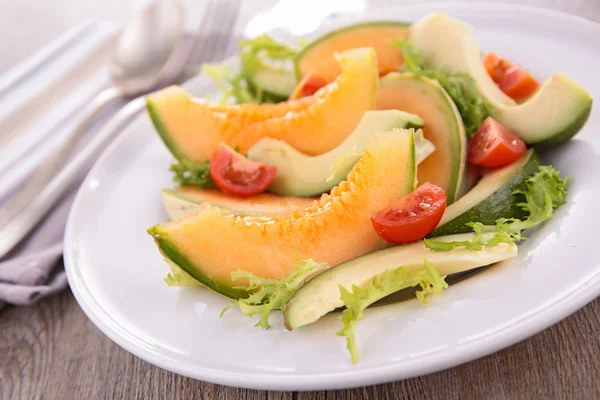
x=534, y=322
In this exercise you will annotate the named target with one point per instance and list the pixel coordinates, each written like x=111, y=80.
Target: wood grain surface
x=52, y=351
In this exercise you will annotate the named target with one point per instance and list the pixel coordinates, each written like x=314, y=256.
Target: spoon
x=147, y=54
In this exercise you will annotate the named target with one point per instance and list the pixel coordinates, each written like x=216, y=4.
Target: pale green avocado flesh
x=306, y=176
x=321, y=294
x=552, y=115
x=491, y=199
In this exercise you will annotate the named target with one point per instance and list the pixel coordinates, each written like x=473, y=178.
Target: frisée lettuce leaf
x=358, y=299
x=545, y=191
x=190, y=173
x=267, y=295
x=236, y=87
x=178, y=277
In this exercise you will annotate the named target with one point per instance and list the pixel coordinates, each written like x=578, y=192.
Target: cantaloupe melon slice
x=443, y=127
x=210, y=244
x=193, y=128
x=187, y=199
x=318, y=57
x=190, y=126
x=336, y=110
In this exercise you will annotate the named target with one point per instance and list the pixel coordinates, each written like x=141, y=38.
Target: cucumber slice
x=321, y=294
x=276, y=81
x=491, y=198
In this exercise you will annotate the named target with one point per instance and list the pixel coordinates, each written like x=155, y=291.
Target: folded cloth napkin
x=34, y=269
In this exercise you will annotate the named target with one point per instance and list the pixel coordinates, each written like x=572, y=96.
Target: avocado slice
x=491, y=198
x=554, y=114
x=321, y=294
x=306, y=176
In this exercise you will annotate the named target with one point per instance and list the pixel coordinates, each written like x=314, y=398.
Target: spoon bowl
x=146, y=45
x=145, y=55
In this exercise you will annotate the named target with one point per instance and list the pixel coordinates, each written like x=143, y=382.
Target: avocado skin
x=570, y=131
x=501, y=204
x=170, y=251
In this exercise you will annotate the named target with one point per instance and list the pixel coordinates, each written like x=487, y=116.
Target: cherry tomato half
x=308, y=86
x=235, y=174
x=412, y=217
x=494, y=145
x=513, y=80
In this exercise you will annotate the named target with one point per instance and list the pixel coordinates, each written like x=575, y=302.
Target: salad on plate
x=378, y=157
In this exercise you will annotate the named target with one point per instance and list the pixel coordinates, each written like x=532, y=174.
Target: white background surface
x=28, y=25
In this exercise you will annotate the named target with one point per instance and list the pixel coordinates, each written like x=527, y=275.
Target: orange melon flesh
x=335, y=111
x=187, y=199
x=210, y=244
x=192, y=127
x=445, y=167
x=318, y=57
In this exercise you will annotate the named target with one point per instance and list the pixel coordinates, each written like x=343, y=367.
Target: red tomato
x=308, y=86
x=412, y=217
x=494, y=145
x=510, y=78
x=235, y=174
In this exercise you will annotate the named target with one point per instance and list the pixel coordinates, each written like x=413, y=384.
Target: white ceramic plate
x=116, y=273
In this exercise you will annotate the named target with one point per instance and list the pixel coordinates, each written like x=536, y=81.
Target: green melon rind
x=186, y=205
x=501, y=204
x=458, y=146
x=331, y=34
x=170, y=251
x=163, y=132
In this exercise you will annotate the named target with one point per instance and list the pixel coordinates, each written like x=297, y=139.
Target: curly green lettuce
x=233, y=87
x=189, y=173
x=178, y=277
x=257, y=52
x=545, y=191
x=236, y=87
x=460, y=87
x=267, y=295
x=358, y=299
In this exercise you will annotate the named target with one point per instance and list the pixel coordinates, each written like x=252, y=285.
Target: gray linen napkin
x=35, y=270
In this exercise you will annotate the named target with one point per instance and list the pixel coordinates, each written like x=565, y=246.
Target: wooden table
x=52, y=351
